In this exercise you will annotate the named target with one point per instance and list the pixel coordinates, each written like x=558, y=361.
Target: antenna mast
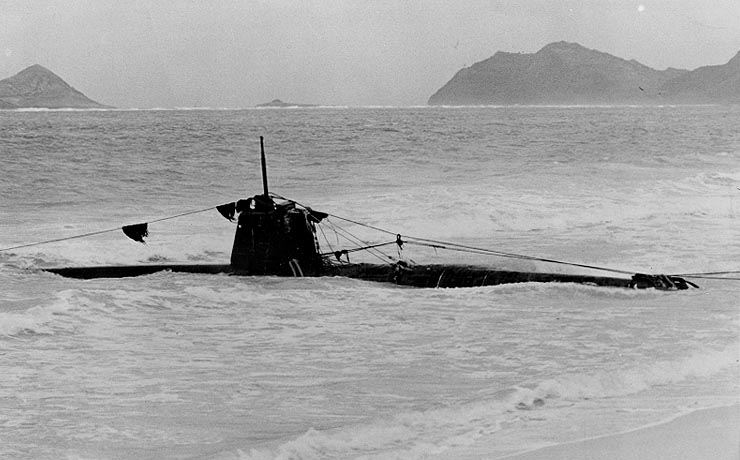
x=264, y=167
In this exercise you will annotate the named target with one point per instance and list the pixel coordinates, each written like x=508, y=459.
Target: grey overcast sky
x=228, y=53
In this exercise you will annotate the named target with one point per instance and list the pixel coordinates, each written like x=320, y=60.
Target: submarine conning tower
x=275, y=238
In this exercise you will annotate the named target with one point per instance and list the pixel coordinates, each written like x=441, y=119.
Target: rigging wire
x=731, y=272
x=353, y=238
x=325, y=238
x=83, y=235
x=709, y=277
x=334, y=215
x=100, y=232
x=456, y=246
x=372, y=248
x=448, y=245
x=363, y=248
x=440, y=244
x=348, y=235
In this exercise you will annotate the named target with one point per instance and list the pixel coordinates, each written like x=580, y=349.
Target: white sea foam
x=376, y=370
x=466, y=212
x=431, y=432
x=633, y=379
x=38, y=319
x=409, y=435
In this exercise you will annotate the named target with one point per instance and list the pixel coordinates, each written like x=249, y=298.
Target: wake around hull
x=128, y=271
x=421, y=276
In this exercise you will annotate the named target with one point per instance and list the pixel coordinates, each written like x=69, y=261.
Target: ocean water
x=207, y=366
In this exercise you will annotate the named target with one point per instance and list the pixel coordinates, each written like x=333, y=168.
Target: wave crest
x=419, y=434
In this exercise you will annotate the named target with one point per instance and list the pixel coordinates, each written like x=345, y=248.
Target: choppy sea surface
x=207, y=366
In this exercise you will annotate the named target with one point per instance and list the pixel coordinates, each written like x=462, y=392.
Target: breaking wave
x=38, y=319
x=430, y=432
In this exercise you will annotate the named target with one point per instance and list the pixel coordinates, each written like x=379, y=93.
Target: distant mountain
x=568, y=73
x=37, y=86
x=715, y=83
x=279, y=103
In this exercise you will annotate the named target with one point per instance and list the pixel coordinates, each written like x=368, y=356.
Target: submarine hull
x=420, y=276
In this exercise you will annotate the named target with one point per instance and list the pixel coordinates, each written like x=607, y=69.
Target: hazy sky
x=227, y=53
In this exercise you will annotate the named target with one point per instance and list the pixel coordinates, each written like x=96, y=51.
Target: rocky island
x=279, y=103
x=39, y=87
x=568, y=73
